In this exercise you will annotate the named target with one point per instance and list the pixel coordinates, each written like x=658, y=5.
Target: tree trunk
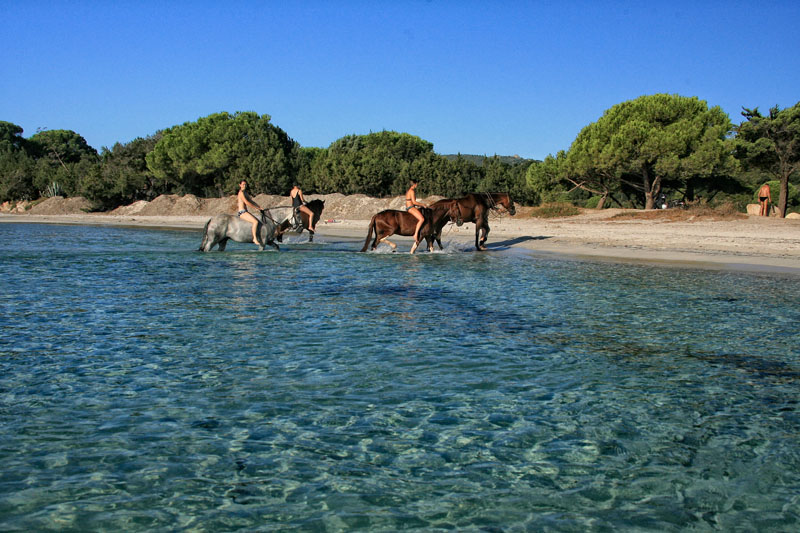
x=648, y=194
x=651, y=188
x=690, y=190
x=783, y=198
x=602, y=202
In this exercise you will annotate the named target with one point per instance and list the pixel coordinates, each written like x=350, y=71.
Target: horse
x=475, y=207
x=316, y=207
x=393, y=222
x=220, y=228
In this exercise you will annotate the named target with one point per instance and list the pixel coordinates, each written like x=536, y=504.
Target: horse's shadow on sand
x=505, y=245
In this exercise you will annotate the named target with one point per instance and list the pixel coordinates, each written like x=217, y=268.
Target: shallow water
x=145, y=386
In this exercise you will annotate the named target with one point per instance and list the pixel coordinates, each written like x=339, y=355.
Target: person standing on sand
x=411, y=207
x=764, y=198
x=243, y=199
x=299, y=203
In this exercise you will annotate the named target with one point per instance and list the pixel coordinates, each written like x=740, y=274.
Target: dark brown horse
x=316, y=207
x=393, y=222
x=475, y=207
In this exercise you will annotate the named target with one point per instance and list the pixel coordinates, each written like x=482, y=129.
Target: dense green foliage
x=639, y=147
x=49, y=163
x=123, y=177
x=374, y=164
x=641, y=150
x=771, y=144
x=210, y=156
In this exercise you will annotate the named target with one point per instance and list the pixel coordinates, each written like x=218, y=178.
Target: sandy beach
x=749, y=243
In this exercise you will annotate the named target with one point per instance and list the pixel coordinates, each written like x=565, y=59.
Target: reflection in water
x=145, y=387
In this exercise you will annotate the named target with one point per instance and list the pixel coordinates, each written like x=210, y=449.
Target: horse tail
x=205, y=237
x=369, y=233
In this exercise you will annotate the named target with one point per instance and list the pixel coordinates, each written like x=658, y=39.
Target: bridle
x=493, y=205
x=454, y=206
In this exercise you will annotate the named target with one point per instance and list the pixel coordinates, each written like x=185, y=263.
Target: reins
x=492, y=205
x=266, y=213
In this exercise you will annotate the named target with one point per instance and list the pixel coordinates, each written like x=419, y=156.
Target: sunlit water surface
x=145, y=386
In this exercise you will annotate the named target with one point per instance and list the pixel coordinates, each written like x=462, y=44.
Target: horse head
x=316, y=206
x=505, y=200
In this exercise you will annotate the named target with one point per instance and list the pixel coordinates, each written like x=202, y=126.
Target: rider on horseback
x=300, y=205
x=411, y=207
x=243, y=199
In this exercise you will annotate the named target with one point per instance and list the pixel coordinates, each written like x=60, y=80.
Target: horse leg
x=478, y=237
x=438, y=239
x=205, y=237
x=273, y=244
x=481, y=229
x=380, y=235
x=222, y=244
x=485, y=234
x=387, y=241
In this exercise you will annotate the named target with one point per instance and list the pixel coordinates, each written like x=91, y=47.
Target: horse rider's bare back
x=411, y=207
x=242, y=201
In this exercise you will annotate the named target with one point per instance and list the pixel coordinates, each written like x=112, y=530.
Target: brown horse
x=316, y=207
x=475, y=207
x=393, y=222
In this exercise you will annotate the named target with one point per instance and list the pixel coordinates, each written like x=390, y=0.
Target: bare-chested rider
x=243, y=199
x=764, y=198
x=411, y=207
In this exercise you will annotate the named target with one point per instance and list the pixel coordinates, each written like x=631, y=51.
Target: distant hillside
x=478, y=159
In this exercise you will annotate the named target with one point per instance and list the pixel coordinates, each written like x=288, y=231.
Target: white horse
x=220, y=228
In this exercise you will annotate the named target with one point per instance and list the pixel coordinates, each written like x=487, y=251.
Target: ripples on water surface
x=145, y=386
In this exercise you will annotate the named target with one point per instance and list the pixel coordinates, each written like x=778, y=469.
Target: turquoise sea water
x=148, y=387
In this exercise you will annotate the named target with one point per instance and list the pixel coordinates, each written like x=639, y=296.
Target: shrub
x=592, y=202
x=555, y=210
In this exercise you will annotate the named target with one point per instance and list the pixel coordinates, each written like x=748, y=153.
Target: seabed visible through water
x=146, y=386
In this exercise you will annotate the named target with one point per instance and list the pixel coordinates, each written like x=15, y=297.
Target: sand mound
x=337, y=206
x=58, y=205
x=134, y=209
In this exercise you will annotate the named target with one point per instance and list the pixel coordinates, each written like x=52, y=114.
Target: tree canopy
x=771, y=144
x=648, y=142
x=210, y=156
x=375, y=164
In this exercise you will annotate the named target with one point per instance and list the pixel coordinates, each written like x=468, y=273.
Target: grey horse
x=220, y=228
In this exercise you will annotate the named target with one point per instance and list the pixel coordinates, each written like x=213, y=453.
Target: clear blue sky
x=472, y=77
